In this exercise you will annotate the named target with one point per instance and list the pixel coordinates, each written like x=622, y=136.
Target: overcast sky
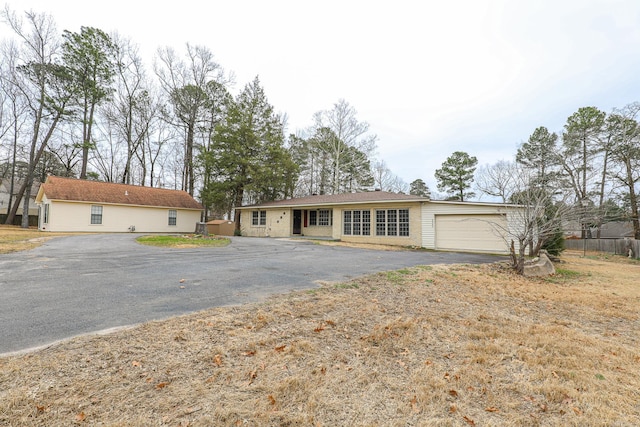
x=430, y=77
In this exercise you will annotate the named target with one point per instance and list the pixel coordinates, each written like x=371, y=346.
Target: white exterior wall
x=76, y=217
x=430, y=210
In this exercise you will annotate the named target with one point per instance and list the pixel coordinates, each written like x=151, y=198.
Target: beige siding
x=76, y=217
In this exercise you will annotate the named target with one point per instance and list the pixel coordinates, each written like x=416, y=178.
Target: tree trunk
x=32, y=167
x=238, y=202
x=633, y=200
x=27, y=202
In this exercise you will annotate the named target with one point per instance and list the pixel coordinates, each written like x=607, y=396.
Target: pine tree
x=456, y=175
x=419, y=188
x=248, y=160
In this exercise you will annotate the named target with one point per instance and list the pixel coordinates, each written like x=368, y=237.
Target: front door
x=297, y=221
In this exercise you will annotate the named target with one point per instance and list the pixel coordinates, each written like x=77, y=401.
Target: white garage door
x=471, y=233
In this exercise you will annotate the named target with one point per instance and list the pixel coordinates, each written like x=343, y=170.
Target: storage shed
x=221, y=227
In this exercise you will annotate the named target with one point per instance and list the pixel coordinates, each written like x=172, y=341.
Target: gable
x=78, y=190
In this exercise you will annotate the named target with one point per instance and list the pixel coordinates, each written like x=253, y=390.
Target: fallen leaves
x=414, y=404
x=252, y=376
x=217, y=360
x=469, y=420
x=285, y=365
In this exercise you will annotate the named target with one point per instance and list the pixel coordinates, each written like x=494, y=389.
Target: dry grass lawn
x=444, y=346
x=14, y=239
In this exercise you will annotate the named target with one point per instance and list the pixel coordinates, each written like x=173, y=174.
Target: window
x=356, y=223
x=381, y=223
x=325, y=217
x=46, y=213
x=366, y=223
x=259, y=218
x=403, y=222
x=173, y=217
x=346, y=223
x=96, y=214
x=392, y=222
x=321, y=217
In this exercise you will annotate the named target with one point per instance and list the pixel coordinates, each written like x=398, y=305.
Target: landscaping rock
x=541, y=266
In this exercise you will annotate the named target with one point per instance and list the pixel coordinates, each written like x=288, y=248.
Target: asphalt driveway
x=88, y=283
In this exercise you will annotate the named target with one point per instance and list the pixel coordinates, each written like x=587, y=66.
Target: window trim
x=173, y=217
x=46, y=213
x=96, y=218
x=325, y=217
x=393, y=222
x=259, y=218
x=320, y=217
x=356, y=222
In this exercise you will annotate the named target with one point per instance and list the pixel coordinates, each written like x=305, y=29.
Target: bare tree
x=625, y=153
x=535, y=216
x=45, y=86
x=349, y=134
x=498, y=179
x=385, y=180
x=12, y=112
x=185, y=83
x=132, y=109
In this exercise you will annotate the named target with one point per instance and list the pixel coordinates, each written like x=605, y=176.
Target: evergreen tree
x=419, y=188
x=456, y=175
x=539, y=154
x=248, y=160
x=89, y=56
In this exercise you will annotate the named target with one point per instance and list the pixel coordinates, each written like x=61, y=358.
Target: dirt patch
x=434, y=345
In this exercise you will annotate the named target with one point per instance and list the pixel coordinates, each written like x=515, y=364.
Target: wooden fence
x=17, y=220
x=614, y=246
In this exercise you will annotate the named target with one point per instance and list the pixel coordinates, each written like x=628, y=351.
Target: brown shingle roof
x=344, y=198
x=81, y=190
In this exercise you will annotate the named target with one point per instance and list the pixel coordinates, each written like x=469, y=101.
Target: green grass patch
x=564, y=275
x=183, y=241
x=348, y=285
x=567, y=274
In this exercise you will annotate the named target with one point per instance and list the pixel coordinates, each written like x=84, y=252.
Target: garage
x=480, y=233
